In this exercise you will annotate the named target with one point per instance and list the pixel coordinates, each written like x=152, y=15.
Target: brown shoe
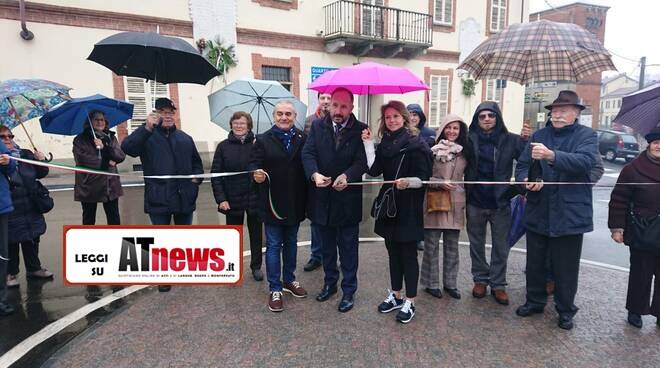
x=500, y=296
x=550, y=287
x=295, y=289
x=275, y=303
x=479, y=290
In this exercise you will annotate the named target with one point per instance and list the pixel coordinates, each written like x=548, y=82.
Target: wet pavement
x=39, y=303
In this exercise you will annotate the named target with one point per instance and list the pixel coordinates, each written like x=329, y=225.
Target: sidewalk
x=231, y=326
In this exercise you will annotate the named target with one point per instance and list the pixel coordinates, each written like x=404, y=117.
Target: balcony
x=378, y=31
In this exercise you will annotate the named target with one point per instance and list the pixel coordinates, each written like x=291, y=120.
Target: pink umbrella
x=369, y=79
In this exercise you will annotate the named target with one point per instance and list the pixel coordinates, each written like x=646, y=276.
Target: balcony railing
x=372, y=22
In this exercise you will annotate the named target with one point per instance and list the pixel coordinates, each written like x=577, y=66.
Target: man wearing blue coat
x=332, y=157
x=557, y=216
x=165, y=150
x=7, y=166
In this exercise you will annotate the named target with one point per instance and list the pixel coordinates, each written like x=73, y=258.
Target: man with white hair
x=557, y=216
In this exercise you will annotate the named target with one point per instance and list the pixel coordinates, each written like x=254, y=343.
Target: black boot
x=635, y=319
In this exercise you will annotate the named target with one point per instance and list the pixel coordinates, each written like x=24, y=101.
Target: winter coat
x=5, y=170
x=644, y=198
x=322, y=154
x=287, y=183
x=318, y=115
x=233, y=155
x=408, y=224
x=426, y=133
x=508, y=148
x=166, y=153
x=451, y=170
x=93, y=188
x=559, y=210
x=25, y=222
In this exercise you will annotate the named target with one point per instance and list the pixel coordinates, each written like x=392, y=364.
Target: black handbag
x=40, y=197
x=384, y=205
x=645, y=232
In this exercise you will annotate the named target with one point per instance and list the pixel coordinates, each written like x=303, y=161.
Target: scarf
x=446, y=151
x=285, y=136
x=655, y=160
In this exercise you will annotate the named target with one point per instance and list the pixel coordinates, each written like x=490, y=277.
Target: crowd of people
x=316, y=173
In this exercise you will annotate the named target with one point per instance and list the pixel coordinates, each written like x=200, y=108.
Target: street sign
x=318, y=70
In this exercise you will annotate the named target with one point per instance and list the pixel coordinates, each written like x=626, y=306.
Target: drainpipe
x=25, y=33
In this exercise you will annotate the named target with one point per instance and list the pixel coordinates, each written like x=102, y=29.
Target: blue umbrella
x=518, y=228
x=70, y=117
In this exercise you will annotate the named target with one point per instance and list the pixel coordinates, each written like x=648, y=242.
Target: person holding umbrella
x=154, y=142
x=7, y=167
x=640, y=201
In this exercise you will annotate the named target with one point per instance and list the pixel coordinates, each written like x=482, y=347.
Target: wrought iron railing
x=348, y=18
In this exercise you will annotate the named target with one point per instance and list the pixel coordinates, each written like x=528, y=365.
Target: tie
x=337, y=130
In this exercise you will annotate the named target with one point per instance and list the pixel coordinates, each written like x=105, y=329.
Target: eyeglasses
x=6, y=136
x=486, y=115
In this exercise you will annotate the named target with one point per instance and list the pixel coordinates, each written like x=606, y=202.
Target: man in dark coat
x=557, y=216
x=165, y=150
x=7, y=167
x=282, y=199
x=334, y=156
x=494, y=151
x=316, y=251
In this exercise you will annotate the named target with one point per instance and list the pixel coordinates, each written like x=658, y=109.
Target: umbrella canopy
x=153, y=56
x=256, y=97
x=369, y=79
x=640, y=110
x=70, y=117
x=25, y=99
x=541, y=50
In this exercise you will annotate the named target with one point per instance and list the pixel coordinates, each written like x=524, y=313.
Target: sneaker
x=275, y=303
x=406, y=313
x=12, y=281
x=40, y=274
x=390, y=303
x=295, y=289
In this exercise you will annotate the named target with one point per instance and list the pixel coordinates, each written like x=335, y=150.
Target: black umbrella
x=153, y=56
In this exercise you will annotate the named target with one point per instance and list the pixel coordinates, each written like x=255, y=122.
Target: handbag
x=645, y=232
x=40, y=197
x=384, y=205
x=438, y=200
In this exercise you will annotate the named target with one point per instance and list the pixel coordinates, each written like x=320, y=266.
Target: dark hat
x=566, y=98
x=653, y=135
x=164, y=102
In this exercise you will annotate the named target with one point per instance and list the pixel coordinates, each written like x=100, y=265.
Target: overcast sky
x=632, y=30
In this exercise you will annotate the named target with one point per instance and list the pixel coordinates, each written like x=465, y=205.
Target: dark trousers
x=30, y=256
x=403, y=266
x=344, y=239
x=564, y=253
x=256, y=239
x=4, y=257
x=643, y=266
x=111, y=209
x=179, y=219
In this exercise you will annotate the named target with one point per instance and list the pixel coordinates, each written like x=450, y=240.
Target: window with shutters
x=495, y=90
x=442, y=12
x=497, y=15
x=372, y=18
x=277, y=73
x=142, y=94
x=439, y=99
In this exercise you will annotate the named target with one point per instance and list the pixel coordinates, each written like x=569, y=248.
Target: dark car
x=613, y=144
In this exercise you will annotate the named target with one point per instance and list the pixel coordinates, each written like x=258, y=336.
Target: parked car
x=614, y=144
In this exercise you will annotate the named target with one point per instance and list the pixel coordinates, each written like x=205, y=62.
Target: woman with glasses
x=26, y=222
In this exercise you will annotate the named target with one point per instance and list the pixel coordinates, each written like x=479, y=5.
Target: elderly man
x=277, y=153
x=334, y=156
x=165, y=150
x=557, y=216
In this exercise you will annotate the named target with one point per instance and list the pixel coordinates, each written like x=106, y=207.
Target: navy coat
x=321, y=154
x=559, y=210
x=166, y=154
x=5, y=170
x=25, y=222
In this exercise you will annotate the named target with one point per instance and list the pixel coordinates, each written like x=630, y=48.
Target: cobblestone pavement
x=231, y=326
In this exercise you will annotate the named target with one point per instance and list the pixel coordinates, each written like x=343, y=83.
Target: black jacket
x=166, y=154
x=408, y=225
x=240, y=191
x=287, y=183
x=322, y=154
x=508, y=148
x=25, y=222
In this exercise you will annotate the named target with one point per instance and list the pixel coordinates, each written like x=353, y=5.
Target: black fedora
x=566, y=98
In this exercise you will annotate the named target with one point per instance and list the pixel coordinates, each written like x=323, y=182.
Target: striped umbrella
x=541, y=50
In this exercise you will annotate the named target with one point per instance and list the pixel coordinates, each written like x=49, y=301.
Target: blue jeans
x=281, y=240
x=316, y=247
x=179, y=219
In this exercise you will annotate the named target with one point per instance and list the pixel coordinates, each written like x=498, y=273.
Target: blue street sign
x=318, y=70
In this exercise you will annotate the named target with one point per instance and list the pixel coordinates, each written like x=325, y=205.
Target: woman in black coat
x=237, y=195
x=406, y=158
x=26, y=223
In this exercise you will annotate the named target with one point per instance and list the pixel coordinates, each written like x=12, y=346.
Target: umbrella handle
x=49, y=158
